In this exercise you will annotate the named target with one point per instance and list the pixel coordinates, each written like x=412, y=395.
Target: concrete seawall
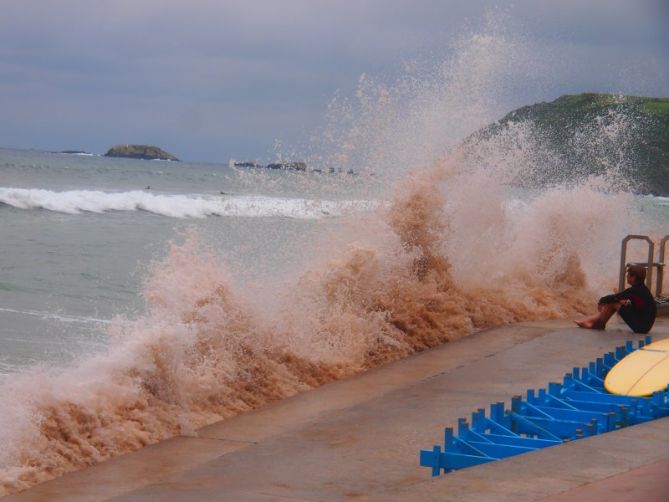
x=359, y=438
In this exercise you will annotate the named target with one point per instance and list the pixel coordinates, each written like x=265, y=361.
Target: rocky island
x=288, y=166
x=144, y=152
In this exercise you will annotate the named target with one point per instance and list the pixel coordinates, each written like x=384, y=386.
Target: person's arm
x=608, y=299
x=617, y=297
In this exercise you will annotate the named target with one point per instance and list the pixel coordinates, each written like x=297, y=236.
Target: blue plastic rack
x=576, y=408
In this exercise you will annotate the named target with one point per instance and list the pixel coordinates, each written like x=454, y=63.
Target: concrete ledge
x=560, y=469
x=359, y=438
x=648, y=483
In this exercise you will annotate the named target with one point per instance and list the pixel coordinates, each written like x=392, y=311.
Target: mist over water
x=452, y=247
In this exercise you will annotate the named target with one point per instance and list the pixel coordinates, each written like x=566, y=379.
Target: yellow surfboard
x=642, y=372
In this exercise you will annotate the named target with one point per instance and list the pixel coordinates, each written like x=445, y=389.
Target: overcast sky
x=213, y=79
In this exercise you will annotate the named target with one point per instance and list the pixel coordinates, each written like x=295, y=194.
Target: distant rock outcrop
x=287, y=166
x=144, y=152
x=244, y=163
x=291, y=166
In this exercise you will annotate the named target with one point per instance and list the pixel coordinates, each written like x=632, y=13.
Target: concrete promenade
x=359, y=438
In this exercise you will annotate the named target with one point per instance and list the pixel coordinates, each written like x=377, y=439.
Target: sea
x=144, y=299
x=79, y=233
x=140, y=300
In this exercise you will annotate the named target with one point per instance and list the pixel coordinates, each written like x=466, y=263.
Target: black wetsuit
x=639, y=314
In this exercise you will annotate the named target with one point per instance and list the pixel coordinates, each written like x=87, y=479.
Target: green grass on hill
x=658, y=106
x=640, y=151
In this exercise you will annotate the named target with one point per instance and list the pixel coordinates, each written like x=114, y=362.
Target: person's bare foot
x=590, y=324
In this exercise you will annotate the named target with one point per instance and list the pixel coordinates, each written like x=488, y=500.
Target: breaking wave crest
x=177, y=206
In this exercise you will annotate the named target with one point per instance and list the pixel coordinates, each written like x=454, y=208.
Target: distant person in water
x=635, y=305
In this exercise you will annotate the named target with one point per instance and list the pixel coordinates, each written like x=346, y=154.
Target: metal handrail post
x=623, y=260
x=660, y=268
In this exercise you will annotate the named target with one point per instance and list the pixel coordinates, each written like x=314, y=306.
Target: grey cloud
x=252, y=71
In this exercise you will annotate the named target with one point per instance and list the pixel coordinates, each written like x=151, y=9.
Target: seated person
x=635, y=305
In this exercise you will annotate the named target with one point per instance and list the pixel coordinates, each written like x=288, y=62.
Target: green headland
x=593, y=134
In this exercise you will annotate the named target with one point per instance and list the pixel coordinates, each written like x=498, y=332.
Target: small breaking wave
x=177, y=205
x=58, y=317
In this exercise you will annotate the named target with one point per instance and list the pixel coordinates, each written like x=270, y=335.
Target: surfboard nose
x=642, y=372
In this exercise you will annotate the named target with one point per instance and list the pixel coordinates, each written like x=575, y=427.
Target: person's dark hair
x=638, y=271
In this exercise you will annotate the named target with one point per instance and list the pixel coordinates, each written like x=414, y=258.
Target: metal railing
x=652, y=267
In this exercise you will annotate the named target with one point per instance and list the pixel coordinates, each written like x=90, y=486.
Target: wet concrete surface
x=359, y=438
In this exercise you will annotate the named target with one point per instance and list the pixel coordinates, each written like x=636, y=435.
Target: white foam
x=58, y=317
x=177, y=205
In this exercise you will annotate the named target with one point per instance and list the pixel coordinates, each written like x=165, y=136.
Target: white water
x=179, y=205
